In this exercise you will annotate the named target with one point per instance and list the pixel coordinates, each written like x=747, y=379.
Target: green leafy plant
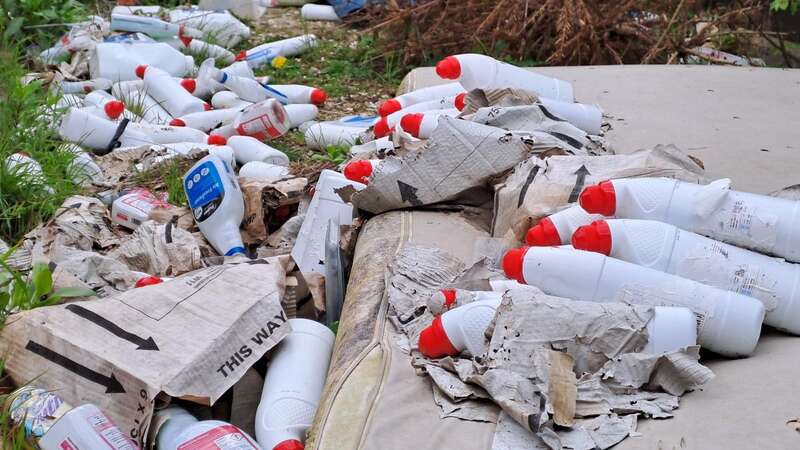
x=19, y=294
x=38, y=21
x=785, y=5
x=336, y=154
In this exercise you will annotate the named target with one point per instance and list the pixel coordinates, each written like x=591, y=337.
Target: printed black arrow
x=527, y=184
x=408, y=193
x=112, y=385
x=143, y=344
x=579, y=182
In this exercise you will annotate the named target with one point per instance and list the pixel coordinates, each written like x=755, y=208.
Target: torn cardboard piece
x=104, y=275
x=261, y=196
x=460, y=156
x=540, y=187
x=190, y=337
x=159, y=249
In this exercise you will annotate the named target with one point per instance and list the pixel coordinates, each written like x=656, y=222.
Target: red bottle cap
x=140, y=70
x=216, y=139
x=449, y=297
x=189, y=84
x=599, y=199
x=595, y=237
x=543, y=234
x=177, y=123
x=289, y=444
x=411, y=123
x=207, y=107
x=512, y=263
x=460, y=101
x=318, y=96
x=358, y=171
x=388, y=107
x=433, y=341
x=449, y=68
x=242, y=55
x=114, y=108
x=381, y=128
x=148, y=281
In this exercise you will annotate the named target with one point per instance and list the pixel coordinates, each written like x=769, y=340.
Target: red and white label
x=223, y=437
x=109, y=433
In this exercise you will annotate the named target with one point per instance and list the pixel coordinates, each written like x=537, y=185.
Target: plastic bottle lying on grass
x=216, y=202
x=758, y=222
x=385, y=125
x=299, y=94
x=263, y=171
x=319, y=12
x=67, y=45
x=557, y=229
x=83, y=170
x=168, y=93
x=247, y=149
x=23, y=163
x=80, y=87
x=197, y=47
x=300, y=114
x=664, y=247
x=228, y=99
x=421, y=125
x=475, y=71
x=139, y=102
x=152, y=27
x=118, y=62
x=294, y=382
x=59, y=426
x=206, y=120
x=345, y=131
x=182, y=431
x=263, y=120
x=431, y=93
x=284, y=47
x=112, y=108
x=463, y=328
x=728, y=323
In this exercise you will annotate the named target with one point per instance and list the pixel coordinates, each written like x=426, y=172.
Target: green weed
x=22, y=19
x=335, y=154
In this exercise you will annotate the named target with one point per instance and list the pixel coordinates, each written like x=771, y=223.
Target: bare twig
x=655, y=48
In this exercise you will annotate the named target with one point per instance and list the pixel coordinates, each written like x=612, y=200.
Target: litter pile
x=195, y=304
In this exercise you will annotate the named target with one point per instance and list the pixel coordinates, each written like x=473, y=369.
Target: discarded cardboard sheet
x=460, y=156
x=19, y=259
x=190, y=337
x=159, y=249
x=540, y=187
x=261, y=196
x=106, y=276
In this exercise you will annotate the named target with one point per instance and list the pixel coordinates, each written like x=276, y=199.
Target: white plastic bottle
x=420, y=95
x=264, y=120
x=112, y=107
x=83, y=170
x=385, y=125
x=22, y=163
x=664, y=247
x=293, y=385
x=284, y=47
x=59, y=426
x=228, y=99
x=300, y=114
x=299, y=94
x=133, y=208
x=169, y=93
x=197, y=47
x=728, y=323
x=227, y=30
x=263, y=171
x=475, y=71
x=67, y=45
x=360, y=170
x=182, y=431
x=311, y=11
x=206, y=121
x=447, y=299
x=463, y=327
x=88, y=130
x=118, y=61
x=216, y=202
x=151, y=111
x=588, y=118
x=81, y=87
x=247, y=149
x=758, y=222
x=166, y=134
x=151, y=26
x=421, y=125
x=557, y=229
x=309, y=249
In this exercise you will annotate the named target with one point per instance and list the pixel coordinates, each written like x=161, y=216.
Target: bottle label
x=223, y=437
x=109, y=432
x=741, y=223
x=204, y=190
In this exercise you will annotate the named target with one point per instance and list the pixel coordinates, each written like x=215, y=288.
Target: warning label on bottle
x=223, y=437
